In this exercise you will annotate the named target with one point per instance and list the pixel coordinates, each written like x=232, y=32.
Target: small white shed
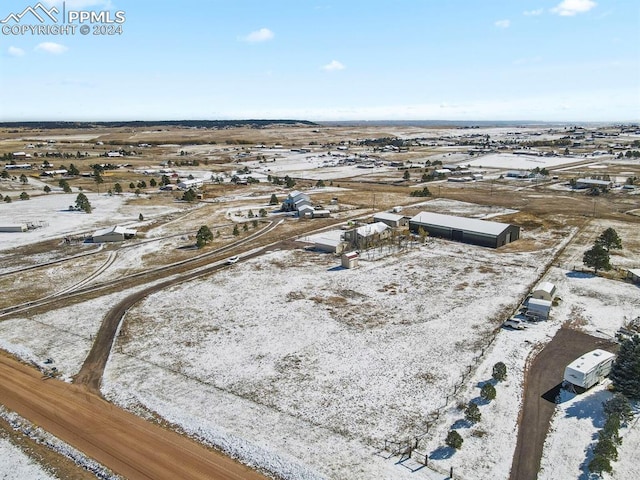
x=544, y=291
x=349, y=260
x=538, y=308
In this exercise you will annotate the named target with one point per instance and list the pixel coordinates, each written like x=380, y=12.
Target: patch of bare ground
x=35, y=284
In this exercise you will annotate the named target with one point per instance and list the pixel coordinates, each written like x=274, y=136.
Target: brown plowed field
x=123, y=442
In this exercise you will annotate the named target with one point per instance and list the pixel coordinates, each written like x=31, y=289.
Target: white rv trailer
x=590, y=369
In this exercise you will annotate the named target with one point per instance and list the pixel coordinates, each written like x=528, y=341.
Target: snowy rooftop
x=388, y=216
x=116, y=229
x=460, y=223
x=589, y=360
x=371, y=229
x=546, y=287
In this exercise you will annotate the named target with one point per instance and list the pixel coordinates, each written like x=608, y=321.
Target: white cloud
x=333, y=65
x=503, y=23
x=15, y=51
x=533, y=13
x=262, y=35
x=569, y=8
x=51, y=47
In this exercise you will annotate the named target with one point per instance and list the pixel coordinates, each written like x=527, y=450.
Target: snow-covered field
x=302, y=368
x=520, y=162
x=18, y=466
x=53, y=211
x=290, y=355
x=573, y=434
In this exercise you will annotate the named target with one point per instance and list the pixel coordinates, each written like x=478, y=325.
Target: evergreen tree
x=499, y=371
x=625, y=373
x=406, y=175
x=454, y=440
x=73, y=170
x=600, y=464
x=619, y=405
x=64, y=185
x=140, y=218
x=189, y=196
x=609, y=239
x=82, y=202
x=606, y=447
x=98, y=179
x=24, y=179
x=262, y=212
x=47, y=189
x=289, y=182
x=236, y=230
x=164, y=180
x=203, y=236
x=274, y=199
x=472, y=413
x=7, y=199
x=117, y=188
x=24, y=196
x=488, y=392
x=152, y=182
x=611, y=429
x=597, y=258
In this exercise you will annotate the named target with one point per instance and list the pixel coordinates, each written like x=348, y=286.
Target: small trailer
x=588, y=370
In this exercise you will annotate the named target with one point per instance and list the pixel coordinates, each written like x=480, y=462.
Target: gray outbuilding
x=467, y=230
x=391, y=219
x=18, y=227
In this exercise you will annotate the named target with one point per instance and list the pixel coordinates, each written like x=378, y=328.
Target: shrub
x=454, y=440
x=488, y=392
x=472, y=413
x=499, y=371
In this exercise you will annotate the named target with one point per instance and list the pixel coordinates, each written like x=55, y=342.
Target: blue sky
x=557, y=60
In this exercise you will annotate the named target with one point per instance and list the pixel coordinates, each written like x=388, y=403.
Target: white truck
x=590, y=369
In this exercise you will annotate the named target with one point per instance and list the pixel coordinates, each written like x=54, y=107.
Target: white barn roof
x=460, y=223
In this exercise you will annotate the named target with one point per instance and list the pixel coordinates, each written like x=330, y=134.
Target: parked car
x=232, y=260
x=515, y=324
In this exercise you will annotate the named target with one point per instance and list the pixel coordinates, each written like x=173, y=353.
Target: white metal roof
x=116, y=229
x=589, y=360
x=591, y=181
x=388, y=216
x=635, y=271
x=546, y=287
x=460, y=223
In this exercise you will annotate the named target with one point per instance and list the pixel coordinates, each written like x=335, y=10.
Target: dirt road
x=541, y=387
x=123, y=442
